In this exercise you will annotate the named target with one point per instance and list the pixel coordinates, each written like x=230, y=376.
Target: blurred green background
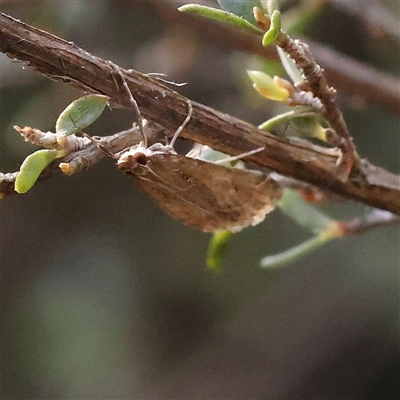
x=104, y=296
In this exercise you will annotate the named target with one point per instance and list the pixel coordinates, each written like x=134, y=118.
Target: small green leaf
x=292, y=254
x=308, y=126
x=218, y=249
x=270, y=88
x=274, y=31
x=286, y=117
x=222, y=16
x=32, y=167
x=325, y=228
x=303, y=213
x=80, y=114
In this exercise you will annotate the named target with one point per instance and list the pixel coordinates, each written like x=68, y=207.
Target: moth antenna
x=195, y=152
x=184, y=123
x=138, y=119
x=239, y=156
x=99, y=145
x=158, y=76
x=94, y=141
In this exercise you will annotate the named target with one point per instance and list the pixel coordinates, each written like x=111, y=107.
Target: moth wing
x=207, y=196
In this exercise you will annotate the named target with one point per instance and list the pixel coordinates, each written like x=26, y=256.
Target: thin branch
x=313, y=80
x=62, y=60
x=316, y=82
x=376, y=218
x=86, y=155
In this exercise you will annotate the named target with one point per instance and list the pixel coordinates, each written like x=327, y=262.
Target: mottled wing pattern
x=204, y=195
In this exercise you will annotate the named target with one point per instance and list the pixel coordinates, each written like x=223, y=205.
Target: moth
x=202, y=194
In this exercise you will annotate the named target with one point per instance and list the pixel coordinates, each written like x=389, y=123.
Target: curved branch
x=62, y=60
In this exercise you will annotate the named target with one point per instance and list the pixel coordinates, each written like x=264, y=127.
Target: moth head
x=140, y=158
x=134, y=160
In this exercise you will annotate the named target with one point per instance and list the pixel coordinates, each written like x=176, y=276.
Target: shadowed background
x=105, y=296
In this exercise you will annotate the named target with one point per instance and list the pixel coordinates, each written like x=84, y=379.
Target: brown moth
x=202, y=194
x=205, y=195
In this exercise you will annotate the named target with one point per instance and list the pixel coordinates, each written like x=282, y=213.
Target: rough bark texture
x=64, y=61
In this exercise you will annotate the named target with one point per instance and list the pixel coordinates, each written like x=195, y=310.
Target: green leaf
x=222, y=16
x=286, y=117
x=242, y=8
x=292, y=254
x=326, y=229
x=274, y=31
x=308, y=126
x=270, y=88
x=80, y=114
x=293, y=205
x=218, y=249
x=32, y=167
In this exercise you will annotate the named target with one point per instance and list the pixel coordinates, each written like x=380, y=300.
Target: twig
x=316, y=83
x=313, y=80
x=59, y=59
x=374, y=219
x=86, y=156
